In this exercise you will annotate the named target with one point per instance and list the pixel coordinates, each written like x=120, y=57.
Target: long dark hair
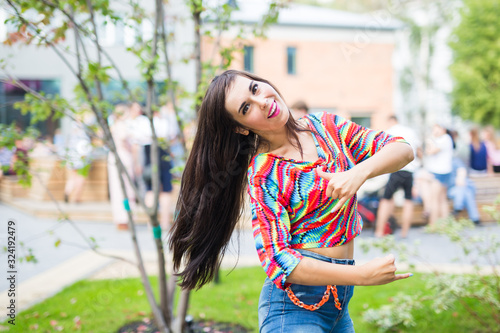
x=213, y=184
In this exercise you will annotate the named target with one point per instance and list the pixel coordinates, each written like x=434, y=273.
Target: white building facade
x=42, y=69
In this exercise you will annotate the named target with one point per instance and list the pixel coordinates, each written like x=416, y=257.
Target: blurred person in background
x=176, y=148
x=422, y=180
x=438, y=161
x=492, y=150
x=478, y=154
x=21, y=158
x=140, y=130
x=43, y=147
x=58, y=143
x=462, y=190
x=15, y=153
x=78, y=155
x=6, y=155
x=122, y=140
x=400, y=179
x=166, y=130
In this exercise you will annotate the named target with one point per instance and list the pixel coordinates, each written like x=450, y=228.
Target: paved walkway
x=58, y=267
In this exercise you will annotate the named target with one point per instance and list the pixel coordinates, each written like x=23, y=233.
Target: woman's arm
x=391, y=158
x=431, y=148
x=489, y=167
x=343, y=185
x=318, y=273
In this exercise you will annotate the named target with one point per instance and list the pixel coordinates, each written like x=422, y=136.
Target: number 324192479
x=11, y=244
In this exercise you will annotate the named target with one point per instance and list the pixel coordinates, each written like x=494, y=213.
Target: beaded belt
x=316, y=306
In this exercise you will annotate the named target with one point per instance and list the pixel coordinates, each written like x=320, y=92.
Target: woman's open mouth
x=274, y=110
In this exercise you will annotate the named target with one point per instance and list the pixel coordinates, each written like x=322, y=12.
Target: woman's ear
x=242, y=131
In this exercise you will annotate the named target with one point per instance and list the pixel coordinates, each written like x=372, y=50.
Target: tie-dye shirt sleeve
x=271, y=229
x=362, y=142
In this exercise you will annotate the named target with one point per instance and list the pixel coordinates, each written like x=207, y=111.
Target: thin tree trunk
x=182, y=307
x=171, y=289
x=155, y=163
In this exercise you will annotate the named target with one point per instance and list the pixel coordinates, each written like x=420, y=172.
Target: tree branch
x=49, y=43
x=170, y=79
x=96, y=43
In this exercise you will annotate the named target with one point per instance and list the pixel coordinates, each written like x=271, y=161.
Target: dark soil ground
x=196, y=327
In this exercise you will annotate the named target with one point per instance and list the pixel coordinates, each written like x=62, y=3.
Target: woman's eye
x=254, y=88
x=245, y=108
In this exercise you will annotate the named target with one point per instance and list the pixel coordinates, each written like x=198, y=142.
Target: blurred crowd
x=132, y=136
x=439, y=177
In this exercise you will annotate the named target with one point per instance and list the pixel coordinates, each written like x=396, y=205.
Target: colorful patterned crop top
x=289, y=207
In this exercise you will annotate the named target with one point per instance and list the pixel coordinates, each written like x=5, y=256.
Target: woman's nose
x=262, y=102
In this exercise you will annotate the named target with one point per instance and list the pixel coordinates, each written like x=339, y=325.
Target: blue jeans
x=277, y=313
x=465, y=197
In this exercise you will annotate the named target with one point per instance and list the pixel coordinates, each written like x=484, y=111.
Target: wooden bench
x=49, y=173
x=10, y=188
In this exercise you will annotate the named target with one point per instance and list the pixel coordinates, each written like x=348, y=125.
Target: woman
x=302, y=180
x=121, y=137
x=477, y=159
x=79, y=152
x=163, y=133
x=438, y=161
x=492, y=150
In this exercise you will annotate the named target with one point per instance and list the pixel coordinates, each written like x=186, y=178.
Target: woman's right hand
x=380, y=271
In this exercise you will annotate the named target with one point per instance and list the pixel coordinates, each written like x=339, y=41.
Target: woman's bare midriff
x=344, y=251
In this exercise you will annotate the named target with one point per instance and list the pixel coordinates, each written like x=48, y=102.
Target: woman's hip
x=278, y=313
x=303, y=308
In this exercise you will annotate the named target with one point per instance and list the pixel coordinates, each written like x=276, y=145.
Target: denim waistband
x=321, y=257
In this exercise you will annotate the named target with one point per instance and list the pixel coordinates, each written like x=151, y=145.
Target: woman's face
x=487, y=134
x=437, y=131
x=256, y=106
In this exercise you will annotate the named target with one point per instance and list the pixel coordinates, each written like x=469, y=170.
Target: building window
x=128, y=34
x=10, y=94
x=363, y=120
x=119, y=33
x=248, y=58
x=114, y=92
x=291, y=60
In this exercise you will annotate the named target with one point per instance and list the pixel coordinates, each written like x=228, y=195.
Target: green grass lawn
x=105, y=305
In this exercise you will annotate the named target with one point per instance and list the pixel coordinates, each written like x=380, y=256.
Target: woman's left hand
x=342, y=185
